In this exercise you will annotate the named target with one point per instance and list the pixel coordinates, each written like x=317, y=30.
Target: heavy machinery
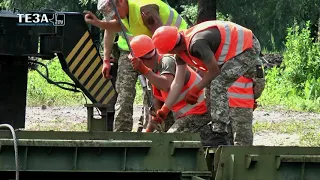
x=99, y=152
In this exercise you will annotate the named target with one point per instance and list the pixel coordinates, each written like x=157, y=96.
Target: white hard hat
x=106, y=8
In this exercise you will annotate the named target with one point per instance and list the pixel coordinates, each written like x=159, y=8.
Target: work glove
x=155, y=123
x=138, y=65
x=162, y=113
x=147, y=130
x=106, y=67
x=192, y=95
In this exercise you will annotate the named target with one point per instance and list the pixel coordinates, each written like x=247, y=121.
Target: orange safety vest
x=241, y=94
x=234, y=40
x=182, y=108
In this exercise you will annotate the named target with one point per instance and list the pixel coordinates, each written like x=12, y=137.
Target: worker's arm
x=157, y=105
x=112, y=25
x=163, y=80
x=108, y=40
x=202, y=50
x=151, y=17
x=177, y=84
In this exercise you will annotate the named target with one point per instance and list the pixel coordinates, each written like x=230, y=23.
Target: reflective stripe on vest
x=242, y=85
x=234, y=40
x=240, y=94
x=135, y=23
x=170, y=19
x=228, y=36
x=188, y=107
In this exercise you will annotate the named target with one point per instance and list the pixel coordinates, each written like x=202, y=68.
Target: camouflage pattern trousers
x=194, y=124
x=239, y=126
x=126, y=89
x=243, y=64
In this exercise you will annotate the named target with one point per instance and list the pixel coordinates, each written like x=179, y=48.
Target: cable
x=15, y=147
x=52, y=82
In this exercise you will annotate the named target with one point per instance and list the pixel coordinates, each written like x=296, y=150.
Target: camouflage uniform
x=240, y=126
x=243, y=64
x=194, y=124
x=126, y=89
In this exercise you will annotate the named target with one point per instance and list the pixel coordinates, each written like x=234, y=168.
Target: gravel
x=63, y=117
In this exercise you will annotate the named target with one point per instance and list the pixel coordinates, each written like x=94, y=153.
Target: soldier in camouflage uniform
x=151, y=15
x=224, y=50
x=160, y=71
x=126, y=89
x=125, y=85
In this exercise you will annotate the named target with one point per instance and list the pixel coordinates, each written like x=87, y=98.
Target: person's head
x=167, y=39
x=144, y=49
x=106, y=8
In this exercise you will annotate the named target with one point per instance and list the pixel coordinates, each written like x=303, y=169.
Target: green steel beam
x=266, y=163
x=114, y=152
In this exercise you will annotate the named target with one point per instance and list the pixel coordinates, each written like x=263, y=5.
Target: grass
x=308, y=131
x=40, y=92
x=58, y=125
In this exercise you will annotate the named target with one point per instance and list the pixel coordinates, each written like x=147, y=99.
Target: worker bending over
x=224, y=50
x=138, y=17
x=160, y=71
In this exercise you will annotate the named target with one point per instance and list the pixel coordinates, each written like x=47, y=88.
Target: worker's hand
x=162, y=113
x=147, y=130
x=158, y=124
x=106, y=67
x=255, y=105
x=192, y=95
x=138, y=65
x=154, y=123
x=91, y=18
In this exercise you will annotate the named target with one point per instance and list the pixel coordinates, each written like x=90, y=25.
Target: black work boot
x=217, y=139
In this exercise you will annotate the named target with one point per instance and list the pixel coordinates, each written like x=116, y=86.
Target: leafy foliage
x=190, y=11
x=269, y=19
x=296, y=83
x=58, y=5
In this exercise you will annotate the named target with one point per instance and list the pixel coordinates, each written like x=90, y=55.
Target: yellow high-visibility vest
x=135, y=25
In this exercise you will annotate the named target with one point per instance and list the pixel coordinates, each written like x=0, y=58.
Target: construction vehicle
x=98, y=151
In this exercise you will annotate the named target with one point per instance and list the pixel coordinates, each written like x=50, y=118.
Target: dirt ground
x=75, y=118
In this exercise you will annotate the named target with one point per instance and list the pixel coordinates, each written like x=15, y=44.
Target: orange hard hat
x=165, y=38
x=141, y=45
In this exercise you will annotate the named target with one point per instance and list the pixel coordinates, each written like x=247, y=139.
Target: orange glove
x=162, y=114
x=151, y=125
x=192, y=96
x=106, y=67
x=138, y=65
